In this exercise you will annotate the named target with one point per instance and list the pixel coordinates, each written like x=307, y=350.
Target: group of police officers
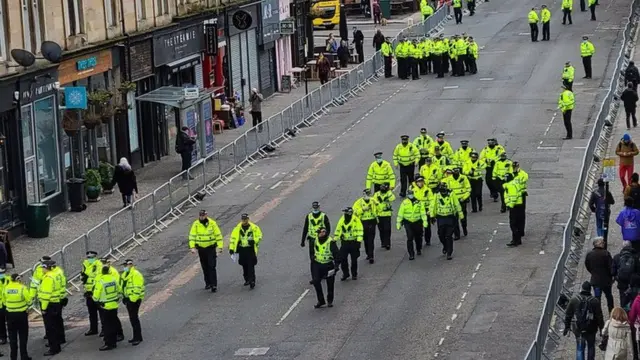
x=104, y=289
x=431, y=56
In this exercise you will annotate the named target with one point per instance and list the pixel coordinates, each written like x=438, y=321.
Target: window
x=27, y=132
x=47, y=155
x=75, y=17
x=141, y=9
x=3, y=30
x=163, y=7
x=110, y=11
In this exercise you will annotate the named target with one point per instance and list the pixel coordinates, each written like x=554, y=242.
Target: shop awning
x=174, y=96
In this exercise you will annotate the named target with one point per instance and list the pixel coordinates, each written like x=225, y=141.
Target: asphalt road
x=485, y=304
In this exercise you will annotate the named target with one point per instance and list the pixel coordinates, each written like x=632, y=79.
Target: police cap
x=203, y=212
x=423, y=130
x=419, y=178
x=404, y=137
x=366, y=191
x=515, y=163
x=128, y=262
x=91, y=254
x=449, y=171
x=474, y=154
x=315, y=205
x=464, y=142
x=244, y=216
x=379, y=153
x=45, y=258
x=440, y=134
x=347, y=210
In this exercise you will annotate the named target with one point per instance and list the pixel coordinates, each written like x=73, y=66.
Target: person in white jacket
x=618, y=331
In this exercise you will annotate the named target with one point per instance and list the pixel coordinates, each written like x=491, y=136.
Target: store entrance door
x=9, y=172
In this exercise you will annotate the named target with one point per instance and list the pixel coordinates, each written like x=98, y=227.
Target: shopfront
x=284, y=57
x=242, y=25
x=93, y=141
x=269, y=34
x=300, y=41
x=215, y=53
x=40, y=134
x=11, y=164
x=177, y=56
x=141, y=135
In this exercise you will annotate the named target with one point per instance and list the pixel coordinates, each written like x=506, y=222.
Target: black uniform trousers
x=414, y=235
x=133, y=309
x=320, y=272
x=516, y=219
x=102, y=321
x=546, y=33
x=110, y=323
x=446, y=224
x=369, y=236
x=60, y=322
x=566, y=117
x=52, y=331
x=310, y=244
x=459, y=65
x=438, y=65
x=586, y=62
x=463, y=222
x=402, y=68
x=406, y=177
x=427, y=232
x=566, y=14
x=457, y=12
x=3, y=324
x=92, y=307
x=583, y=5
x=384, y=227
x=414, y=68
x=423, y=65
x=248, y=260
x=593, y=12
x=568, y=84
x=349, y=249
x=491, y=184
x=524, y=215
x=454, y=65
x=428, y=63
x=387, y=66
x=471, y=5
x=476, y=194
x=18, y=324
x=500, y=189
x=445, y=62
x=534, y=31
x=208, y=263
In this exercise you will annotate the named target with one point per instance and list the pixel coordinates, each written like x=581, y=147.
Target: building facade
x=242, y=32
x=284, y=45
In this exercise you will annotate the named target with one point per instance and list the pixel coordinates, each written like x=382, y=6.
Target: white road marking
x=473, y=276
x=486, y=79
x=246, y=186
x=578, y=84
x=579, y=147
x=547, y=147
x=541, y=252
x=450, y=87
x=441, y=341
x=447, y=328
x=257, y=187
x=493, y=52
x=281, y=182
x=454, y=317
x=296, y=303
x=275, y=175
x=523, y=34
x=251, y=351
x=503, y=224
x=459, y=306
x=464, y=295
x=479, y=264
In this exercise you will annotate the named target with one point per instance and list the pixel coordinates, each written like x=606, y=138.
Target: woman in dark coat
x=126, y=180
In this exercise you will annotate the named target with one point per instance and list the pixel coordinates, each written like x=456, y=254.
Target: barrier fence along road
x=135, y=224
x=577, y=226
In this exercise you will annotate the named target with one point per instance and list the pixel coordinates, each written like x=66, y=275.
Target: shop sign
x=211, y=38
x=191, y=93
x=43, y=86
x=83, y=67
x=243, y=19
x=270, y=21
x=178, y=44
x=75, y=97
x=287, y=27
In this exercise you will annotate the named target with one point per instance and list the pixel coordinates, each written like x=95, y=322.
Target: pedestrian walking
x=91, y=267
x=245, y=241
x=599, y=264
x=312, y=222
x=457, y=11
x=205, y=239
x=587, y=312
x=626, y=272
x=633, y=190
x=587, y=50
x=568, y=74
x=617, y=332
x=107, y=294
x=626, y=150
x=472, y=168
x=545, y=16
x=413, y=217
x=184, y=147
x=384, y=198
x=629, y=98
x=598, y=202
x=629, y=221
x=349, y=232
x=387, y=52
x=405, y=156
x=17, y=299
x=377, y=14
x=124, y=176
x=446, y=211
x=50, y=306
x=513, y=201
x=358, y=40
x=592, y=8
x=632, y=75
x=489, y=155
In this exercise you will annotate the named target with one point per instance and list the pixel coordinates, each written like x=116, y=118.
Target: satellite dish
x=51, y=51
x=23, y=57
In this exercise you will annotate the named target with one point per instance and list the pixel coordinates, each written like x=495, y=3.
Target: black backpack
x=627, y=266
x=635, y=195
x=585, y=316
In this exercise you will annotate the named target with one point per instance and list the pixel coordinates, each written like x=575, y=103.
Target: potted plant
x=93, y=185
x=100, y=103
x=126, y=87
x=70, y=122
x=106, y=174
x=91, y=119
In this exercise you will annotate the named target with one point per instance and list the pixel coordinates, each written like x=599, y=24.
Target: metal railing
x=135, y=224
x=576, y=228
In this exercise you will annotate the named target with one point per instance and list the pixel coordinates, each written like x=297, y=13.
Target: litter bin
x=385, y=8
x=38, y=220
x=75, y=188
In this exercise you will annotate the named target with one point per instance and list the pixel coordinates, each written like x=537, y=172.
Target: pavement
x=567, y=349
x=398, y=309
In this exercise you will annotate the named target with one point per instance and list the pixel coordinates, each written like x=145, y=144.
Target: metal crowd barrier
x=135, y=224
x=576, y=229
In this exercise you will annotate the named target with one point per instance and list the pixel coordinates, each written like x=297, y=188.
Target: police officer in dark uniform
x=324, y=264
x=312, y=222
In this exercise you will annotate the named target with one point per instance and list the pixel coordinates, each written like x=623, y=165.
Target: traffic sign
x=609, y=169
